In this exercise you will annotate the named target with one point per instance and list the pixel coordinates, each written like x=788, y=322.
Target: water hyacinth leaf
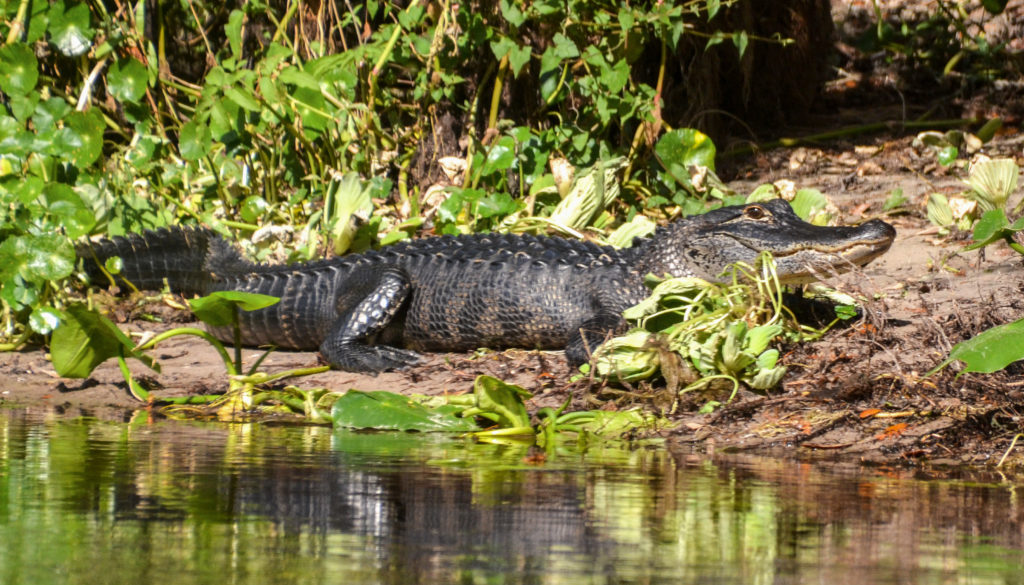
x=592, y=190
x=667, y=287
x=611, y=425
x=382, y=410
x=126, y=80
x=503, y=400
x=19, y=69
x=639, y=227
x=989, y=351
x=759, y=337
x=628, y=357
x=993, y=181
x=219, y=309
x=85, y=339
x=767, y=374
x=939, y=212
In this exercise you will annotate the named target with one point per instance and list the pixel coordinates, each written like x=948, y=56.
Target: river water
x=137, y=502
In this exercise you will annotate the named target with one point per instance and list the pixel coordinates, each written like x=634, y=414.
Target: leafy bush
x=251, y=116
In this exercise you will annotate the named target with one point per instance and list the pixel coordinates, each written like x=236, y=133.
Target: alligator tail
x=189, y=259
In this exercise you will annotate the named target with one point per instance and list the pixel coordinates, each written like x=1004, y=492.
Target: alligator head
x=705, y=245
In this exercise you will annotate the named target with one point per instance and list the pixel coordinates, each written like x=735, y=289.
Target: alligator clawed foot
x=372, y=359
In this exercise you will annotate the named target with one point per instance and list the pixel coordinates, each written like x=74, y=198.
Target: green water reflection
x=85, y=501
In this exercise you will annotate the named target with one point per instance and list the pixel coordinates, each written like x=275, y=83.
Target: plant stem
x=848, y=132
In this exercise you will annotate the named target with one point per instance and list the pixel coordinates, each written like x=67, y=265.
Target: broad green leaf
x=630, y=357
x=253, y=208
x=495, y=204
x=69, y=29
x=87, y=145
x=682, y=148
x=243, y=97
x=85, y=339
x=299, y=78
x=989, y=351
x=22, y=106
x=512, y=13
x=194, y=140
x=741, y=40
x=500, y=156
x=502, y=399
x=233, y=30
x=47, y=113
x=19, y=69
x=68, y=209
x=43, y=320
x=992, y=227
x=389, y=411
x=219, y=309
x=947, y=155
x=37, y=258
x=126, y=80
x=518, y=57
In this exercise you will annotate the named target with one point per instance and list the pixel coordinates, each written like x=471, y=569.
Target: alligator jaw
x=842, y=250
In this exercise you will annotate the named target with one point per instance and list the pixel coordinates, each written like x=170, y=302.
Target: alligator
x=376, y=310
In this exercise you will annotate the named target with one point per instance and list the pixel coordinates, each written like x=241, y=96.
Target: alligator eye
x=755, y=212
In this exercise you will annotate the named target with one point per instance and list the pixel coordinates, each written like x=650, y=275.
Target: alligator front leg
x=371, y=298
x=592, y=333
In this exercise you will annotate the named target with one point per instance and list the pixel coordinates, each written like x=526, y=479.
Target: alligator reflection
x=250, y=503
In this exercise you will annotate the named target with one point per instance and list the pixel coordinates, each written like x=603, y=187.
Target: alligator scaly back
x=188, y=259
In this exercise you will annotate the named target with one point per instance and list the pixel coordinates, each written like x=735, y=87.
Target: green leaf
x=126, y=80
x=495, y=204
x=681, y=148
x=518, y=57
x=69, y=30
x=69, y=210
x=43, y=320
x=993, y=227
x=740, y=40
x=503, y=400
x=994, y=6
x=36, y=258
x=389, y=411
x=19, y=69
x=253, y=208
x=512, y=13
x=947, y=155
x=85, y=339
x=243, y=97
x=233, y=30
x=500, y=157
x=990, y=350
x=219, y=309
x=194, y=140
x=86, y=143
